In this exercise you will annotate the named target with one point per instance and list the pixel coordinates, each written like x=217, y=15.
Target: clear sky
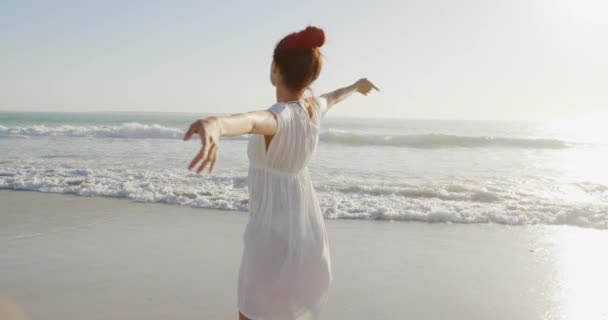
x=444, y=59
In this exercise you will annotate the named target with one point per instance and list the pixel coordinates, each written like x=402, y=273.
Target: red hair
x=298, y=57
x=309, y=38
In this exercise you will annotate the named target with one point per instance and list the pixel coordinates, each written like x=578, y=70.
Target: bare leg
x=242, y=317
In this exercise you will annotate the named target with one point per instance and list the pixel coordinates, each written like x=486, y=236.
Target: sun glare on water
x=589, y=137
x=582, y=277
x=583, y=129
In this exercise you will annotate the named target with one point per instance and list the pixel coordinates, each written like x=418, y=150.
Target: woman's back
x=286, y=255
x=285, y=271
x=292, y=146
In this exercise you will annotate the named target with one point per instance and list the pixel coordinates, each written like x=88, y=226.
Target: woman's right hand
x=365, y=86
x=209, y=130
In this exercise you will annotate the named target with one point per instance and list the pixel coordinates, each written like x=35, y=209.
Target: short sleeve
x=322, y=105
x=280, y=113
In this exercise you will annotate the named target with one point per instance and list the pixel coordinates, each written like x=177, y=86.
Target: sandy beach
x=456, y=151
x=67, y=257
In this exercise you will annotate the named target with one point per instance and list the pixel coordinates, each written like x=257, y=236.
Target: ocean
x=450, y=171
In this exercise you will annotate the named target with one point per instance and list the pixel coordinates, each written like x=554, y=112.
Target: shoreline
x=74, y=257
x=342, y=218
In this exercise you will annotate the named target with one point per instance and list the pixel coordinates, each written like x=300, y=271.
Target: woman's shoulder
x=278, y=107
x=301, y=107
x=319, y=103
x=314, y=100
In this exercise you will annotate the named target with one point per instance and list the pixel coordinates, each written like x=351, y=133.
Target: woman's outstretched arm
x=362, y=86
x=212, y=128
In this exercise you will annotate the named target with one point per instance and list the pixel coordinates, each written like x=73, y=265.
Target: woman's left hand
x=209, y=130
x=365, y=86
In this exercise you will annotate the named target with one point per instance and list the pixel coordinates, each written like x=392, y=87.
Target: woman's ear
x=275, y=69
x=274, y=73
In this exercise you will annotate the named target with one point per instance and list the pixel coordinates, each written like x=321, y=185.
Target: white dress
x=285, y=271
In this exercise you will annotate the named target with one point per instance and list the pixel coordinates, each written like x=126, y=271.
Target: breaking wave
x=437, y=202
x=134, y=130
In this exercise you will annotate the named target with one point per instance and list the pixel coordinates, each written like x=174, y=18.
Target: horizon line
x=328, y=116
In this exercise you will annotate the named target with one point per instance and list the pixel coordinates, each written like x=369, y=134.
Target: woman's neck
x=285, y=95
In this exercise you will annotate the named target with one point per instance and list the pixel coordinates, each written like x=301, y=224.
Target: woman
x=285, y=271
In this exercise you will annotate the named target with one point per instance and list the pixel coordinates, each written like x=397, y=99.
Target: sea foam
x=437, y=202
x=131, y=130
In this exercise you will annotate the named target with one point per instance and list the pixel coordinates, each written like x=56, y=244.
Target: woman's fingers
x=370, y=86
x=202, y=166
x=196, y=159
x=191, y=131
x=365, y=86
x=209, y=158
x=206, y=143
x=213, y=158
x=207, y=129
x=202, y=153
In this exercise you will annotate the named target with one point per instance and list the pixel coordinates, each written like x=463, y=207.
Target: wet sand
x=66, y=257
